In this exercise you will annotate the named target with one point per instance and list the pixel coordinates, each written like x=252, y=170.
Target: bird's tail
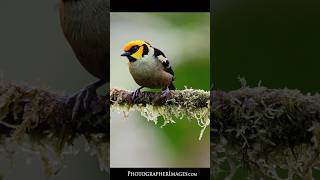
x=171, y=87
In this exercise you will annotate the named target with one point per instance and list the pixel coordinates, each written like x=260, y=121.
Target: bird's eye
x=135, y=48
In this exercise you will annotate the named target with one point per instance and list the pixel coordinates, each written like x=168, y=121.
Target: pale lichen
x=97, y=145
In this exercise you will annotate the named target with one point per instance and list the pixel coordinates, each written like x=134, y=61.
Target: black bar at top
x=160, y=5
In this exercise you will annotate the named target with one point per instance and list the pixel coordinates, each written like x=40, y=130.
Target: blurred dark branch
x=288, y=110
x=264, y=129
x=35, y=111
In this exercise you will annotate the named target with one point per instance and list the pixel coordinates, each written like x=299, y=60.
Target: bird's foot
x=165, y=93
x=83, y=100
x=135, y=94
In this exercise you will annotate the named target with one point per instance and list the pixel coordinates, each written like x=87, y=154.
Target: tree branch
x=43, y=119
x=270, y=131
x=185, y=98
x=189, y=103
x=266, y=129
x=30, y=110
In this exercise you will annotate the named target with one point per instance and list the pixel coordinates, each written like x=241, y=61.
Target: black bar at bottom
x=160, y=173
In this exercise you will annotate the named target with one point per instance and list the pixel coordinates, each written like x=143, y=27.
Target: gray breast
x=149, y=72
x=145, y=68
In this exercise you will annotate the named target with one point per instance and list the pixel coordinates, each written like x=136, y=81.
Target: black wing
x=163, y=59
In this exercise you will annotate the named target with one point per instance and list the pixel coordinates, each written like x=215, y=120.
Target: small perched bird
x=85, y=24
x=149, y=67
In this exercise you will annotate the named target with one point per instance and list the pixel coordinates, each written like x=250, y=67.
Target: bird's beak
x=125, y=54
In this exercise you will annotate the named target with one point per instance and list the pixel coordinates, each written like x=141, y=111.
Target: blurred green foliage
x=275, y=42
x=184, y=20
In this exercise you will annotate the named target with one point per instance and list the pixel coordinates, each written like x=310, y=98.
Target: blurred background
x=185, y=40
x=277, y=42
x=34, y=52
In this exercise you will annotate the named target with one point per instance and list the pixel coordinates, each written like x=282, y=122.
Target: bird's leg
x=136, y=93
x=165, y=92
x=84, y=98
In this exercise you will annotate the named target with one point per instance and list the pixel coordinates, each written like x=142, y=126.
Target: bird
x=149, y=67
x=85, y=24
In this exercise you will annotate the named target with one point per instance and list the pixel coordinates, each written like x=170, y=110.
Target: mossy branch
x=32, y=110
x=43, y=118
x=272, y=132
x=185, y=98
x=189, y=103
